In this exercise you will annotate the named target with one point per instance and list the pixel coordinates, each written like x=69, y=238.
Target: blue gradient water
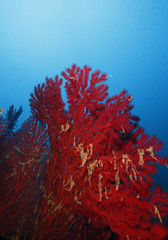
x=127, y=39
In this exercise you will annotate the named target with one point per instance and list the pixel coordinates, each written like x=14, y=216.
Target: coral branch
x=20, y=171
x=90, y=167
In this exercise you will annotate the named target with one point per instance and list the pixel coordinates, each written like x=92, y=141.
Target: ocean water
x=128, y=40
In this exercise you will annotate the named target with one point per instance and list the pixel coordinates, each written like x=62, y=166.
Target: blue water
x=125, y=39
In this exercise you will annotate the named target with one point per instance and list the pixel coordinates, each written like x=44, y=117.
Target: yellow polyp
x=71, y=216
x=91, y=166
x=127, y=237
x=105, y=191
x=12, y=174
x=76, y=198
x=115, y=164
x=47, y=215
x=91, y=148
x=58, y=207
x=36, y=206
x=71, y=184
x=134, y=171
x=100, y=164
x=24, y=163
x=157, y=213
x=100, y=186
x=50, y=199
x=48, y=160
x=1, y=110
x=117, y=179
x=23, y=168
x=109, y=76
x=126, y=160
x=123, y=129
x=141, y=153
x=73, y=78
x=87, y=154
x=36, y=150
x=84, y=155
x=85, y=179
x=131, y=178
x=65, y=128
x=18, y=149
x=50, y=202
x=150, y=150
x=130, y=98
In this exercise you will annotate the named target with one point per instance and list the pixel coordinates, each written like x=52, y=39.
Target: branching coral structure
x=102, y=160
x=20, y=171
x=12, y=116
x=92, y=166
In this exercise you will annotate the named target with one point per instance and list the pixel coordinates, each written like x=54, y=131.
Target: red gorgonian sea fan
x=101, y=164
x=94, y=179
x=20, y=171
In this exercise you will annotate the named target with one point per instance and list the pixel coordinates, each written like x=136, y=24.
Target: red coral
x=94, y=180
x=20, y=172
x=102, y=162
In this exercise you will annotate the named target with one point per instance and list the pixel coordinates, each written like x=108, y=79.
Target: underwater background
x=127, y=39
